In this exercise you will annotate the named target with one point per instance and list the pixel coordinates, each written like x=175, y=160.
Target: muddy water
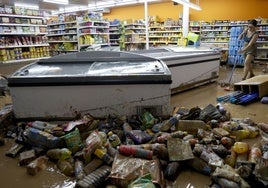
x=12, y=175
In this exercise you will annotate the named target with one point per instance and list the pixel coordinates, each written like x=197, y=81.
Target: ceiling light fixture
x=63, y=2
x=109, y=4
x=24, y=5
x=189, y=4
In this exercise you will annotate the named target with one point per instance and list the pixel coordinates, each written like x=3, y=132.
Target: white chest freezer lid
x=93, y=67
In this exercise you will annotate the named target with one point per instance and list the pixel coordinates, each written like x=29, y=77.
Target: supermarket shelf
x=20, y=16
x=61, y=41
x=23, y=60
x=23, y=33
x=24, y=46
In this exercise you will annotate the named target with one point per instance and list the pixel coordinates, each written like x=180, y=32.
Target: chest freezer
x=99, y=83
x=190, y=67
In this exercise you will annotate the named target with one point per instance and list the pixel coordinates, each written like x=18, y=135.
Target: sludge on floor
x=201, y=97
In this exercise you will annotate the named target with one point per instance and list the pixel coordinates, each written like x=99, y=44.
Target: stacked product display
x=235, y=58
x=134, y=31
x=215, y=33
x=62, y=34
x=263, y=40
x=22, y=35
x=92, y=29
x=115, y=32
x=164, y=32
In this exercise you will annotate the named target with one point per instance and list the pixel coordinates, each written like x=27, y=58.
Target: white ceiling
x=51, y=6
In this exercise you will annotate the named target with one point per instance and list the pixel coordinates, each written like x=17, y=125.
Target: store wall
x=211, y=10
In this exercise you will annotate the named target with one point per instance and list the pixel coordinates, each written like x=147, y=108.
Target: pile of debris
x=143, y=150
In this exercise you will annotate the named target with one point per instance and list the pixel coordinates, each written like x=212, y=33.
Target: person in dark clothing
x=250, y=36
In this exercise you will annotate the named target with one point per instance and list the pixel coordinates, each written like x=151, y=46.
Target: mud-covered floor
x=13, y=175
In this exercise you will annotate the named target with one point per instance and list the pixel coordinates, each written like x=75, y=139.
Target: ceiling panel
x=52, y=6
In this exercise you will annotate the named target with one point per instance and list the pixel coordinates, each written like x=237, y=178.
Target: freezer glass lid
x=126, y=68
x=92, y=69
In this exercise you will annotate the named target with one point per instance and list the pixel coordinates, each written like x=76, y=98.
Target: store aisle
x=14, y=176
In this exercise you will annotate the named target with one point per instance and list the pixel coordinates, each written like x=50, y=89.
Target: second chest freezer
x=100, y=83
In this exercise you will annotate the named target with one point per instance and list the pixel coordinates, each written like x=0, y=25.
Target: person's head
x=252, y=24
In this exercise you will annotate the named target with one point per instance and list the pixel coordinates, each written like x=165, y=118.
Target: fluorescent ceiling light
x=114, y=3
x=188, y=3
x=24, y=5
x=63, y=2
x=73, y=9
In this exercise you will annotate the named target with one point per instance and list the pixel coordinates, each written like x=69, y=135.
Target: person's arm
x=251, y=42
x=243, y=34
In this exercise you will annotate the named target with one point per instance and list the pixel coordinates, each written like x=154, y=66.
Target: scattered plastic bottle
x=103, y=156
x=111, y=150
x=114, y=139
x=37, y=165
x=227, y=141
x=93, y=141
x=255, y=153
x=231, y=159
x=241, y=147
x=78, y=169
x=66, y=167
x=173, y=121
x=148, y=120
x=95, y=178
x=126, y=128
x=59, y=153
x=135, y=152
x=199, y=165
x=43, y=126
x=221, y=108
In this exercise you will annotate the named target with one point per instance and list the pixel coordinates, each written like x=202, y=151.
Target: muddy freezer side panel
x=57, y=102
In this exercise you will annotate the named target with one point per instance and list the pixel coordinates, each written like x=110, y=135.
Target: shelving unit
x=92, y=32
x=215, y=33
x=23, y=37
x=62, y=34
x=134, y=35
x=195, y=27
x=262, y=43
x=114, y=31
x=164, y=35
